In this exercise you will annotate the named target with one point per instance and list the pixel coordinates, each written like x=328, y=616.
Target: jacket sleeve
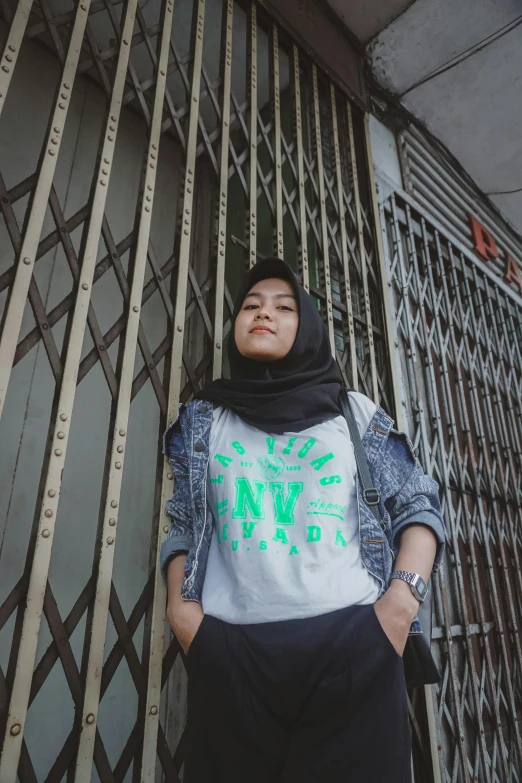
x=180, y=536
x=413, y=496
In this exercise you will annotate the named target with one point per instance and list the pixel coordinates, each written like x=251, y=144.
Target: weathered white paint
x=474, y=108
x=385, y=158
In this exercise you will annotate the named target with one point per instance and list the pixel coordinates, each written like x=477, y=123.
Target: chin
x=260, y=356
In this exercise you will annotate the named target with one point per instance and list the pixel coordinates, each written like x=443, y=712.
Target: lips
x=262, y=330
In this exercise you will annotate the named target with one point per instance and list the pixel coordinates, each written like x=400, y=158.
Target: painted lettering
x=288, y=448
x=303, y=451
x=284, y=508
x=248, y=529
x=485, y=246
x=330, y=480
x=253, y=497
x=280, y=535
x=339, y=539
x=225, y=461
x=512, y=272
x=318, y=463
x=483, y=242
x=314, y=533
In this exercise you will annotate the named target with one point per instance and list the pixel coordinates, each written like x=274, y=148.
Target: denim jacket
x=408, y=496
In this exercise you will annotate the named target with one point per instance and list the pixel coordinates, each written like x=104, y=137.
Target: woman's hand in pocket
x=185, y=618
x=395, y=612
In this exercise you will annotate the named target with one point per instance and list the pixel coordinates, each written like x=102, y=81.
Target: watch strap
x=411, y=578
x=406, y=576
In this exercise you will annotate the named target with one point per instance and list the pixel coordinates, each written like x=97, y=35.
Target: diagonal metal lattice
x=459, y=344
x=239, y=146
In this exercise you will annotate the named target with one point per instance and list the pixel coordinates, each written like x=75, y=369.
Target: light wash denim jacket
x=408, y=496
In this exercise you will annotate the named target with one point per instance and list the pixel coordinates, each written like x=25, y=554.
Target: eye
x=250, y=307
x=286, y=307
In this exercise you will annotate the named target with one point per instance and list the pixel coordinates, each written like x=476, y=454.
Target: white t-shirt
x=285, y=542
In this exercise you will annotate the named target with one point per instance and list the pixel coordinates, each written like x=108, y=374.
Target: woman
x=279, y=576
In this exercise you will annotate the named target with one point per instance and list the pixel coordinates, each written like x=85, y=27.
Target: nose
x=264, y=313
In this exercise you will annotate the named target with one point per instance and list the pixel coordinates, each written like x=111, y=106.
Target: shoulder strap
x=371, y=494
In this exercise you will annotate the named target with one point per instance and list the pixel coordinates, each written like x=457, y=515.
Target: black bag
x=419, y=666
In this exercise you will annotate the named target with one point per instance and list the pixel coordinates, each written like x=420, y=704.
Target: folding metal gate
x=459, y=330
x=148, y=153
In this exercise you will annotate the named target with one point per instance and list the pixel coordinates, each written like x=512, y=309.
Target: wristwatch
x=418, y=586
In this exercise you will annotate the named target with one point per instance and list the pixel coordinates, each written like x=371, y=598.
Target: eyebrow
x=276, y=296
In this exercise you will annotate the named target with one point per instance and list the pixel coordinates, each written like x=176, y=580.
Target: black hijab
x=289, y=394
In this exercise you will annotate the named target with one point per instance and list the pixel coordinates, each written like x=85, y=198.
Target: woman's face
x=266, y=325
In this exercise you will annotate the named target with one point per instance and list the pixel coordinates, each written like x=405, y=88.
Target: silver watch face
x=420, y=587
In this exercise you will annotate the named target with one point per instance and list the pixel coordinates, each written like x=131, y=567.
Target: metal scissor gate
x=148, y=153
x=459, y=330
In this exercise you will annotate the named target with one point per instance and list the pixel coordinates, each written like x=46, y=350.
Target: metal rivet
x=147, y=209
x=106, y=160
x=114, y=503
x=102, y=182
x=218, y=345
x=45, y=326
x=52, y=493
x=83, y=7
x=60, y=435
x=54, y=141
x=16, y=729
x=119, y=449
x=122, y=433
x=111, y=128
x=112, y=521
x=110, y=540
x=153, y=710
x=61, y=105
x=90, y=718
x=64, y=96
x=135, y=309
x=180, y=328
x=105, y=171
x=11, y=48
x=52, y=152
x=170, y=476
x=58, y=452
x=125, y=42
x=113, y=118
x=45, y=533
x=85, y=286
x=166, y=529
x=117, y=465
x=27, y=260
x=5, y=68
x=48, y=513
